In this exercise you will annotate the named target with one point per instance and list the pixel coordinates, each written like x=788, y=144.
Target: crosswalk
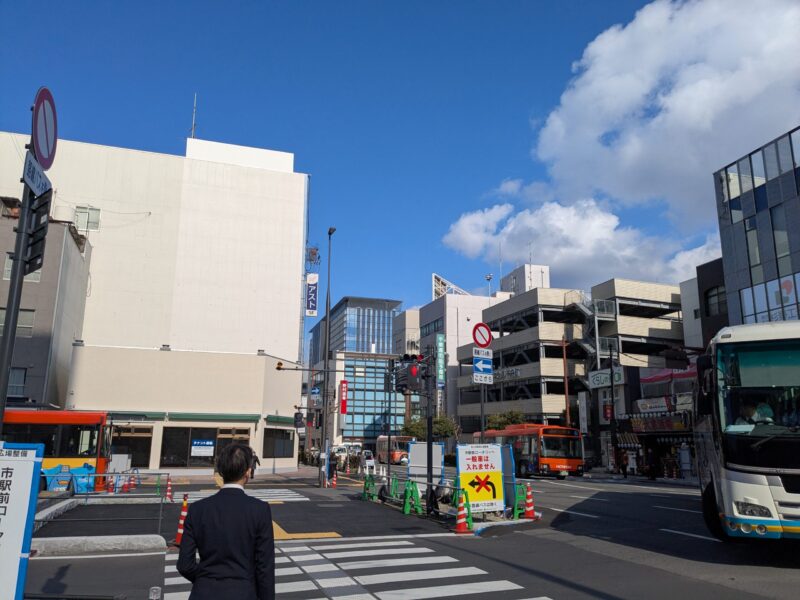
x=401, y=568
x=267, y=495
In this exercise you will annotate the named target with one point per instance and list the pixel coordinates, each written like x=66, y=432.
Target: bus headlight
x=752, y=510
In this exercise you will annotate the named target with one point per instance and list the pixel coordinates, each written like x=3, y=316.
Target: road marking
x=306, y=557
x=418, y=575
x=78, y=557
x=694, y=535
x=177, y=595
x=282, y=559
x=170, y=569
x=572, y=512
x=395, y=562
x=288, y=571
x=364, y=545
x=281, y=534
x=580, y=487
x=438, y=591
x=356, y=553
x=320, y=568
x=589, y=498
x=407, y=536
x=176, y=581
x=697, y=512
x=335, y=582
x=295, y=586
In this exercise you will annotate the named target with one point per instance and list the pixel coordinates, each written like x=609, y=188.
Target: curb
x=519, y=525
x=48, y=514
x=101, y=544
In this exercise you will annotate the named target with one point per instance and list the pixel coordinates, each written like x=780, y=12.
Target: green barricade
x=519, y=500
x=411, y=498
x=394, y=488
x=369, y=488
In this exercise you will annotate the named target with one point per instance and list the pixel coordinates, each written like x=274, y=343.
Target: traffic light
x=409, y=375
x=299, y=421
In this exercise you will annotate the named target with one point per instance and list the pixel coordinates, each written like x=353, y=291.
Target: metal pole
x=14, y=296
x=389, y=438
x=429, y=437
x=324, y=440
x=613, y=405
x=566, y=379
x=483, y=401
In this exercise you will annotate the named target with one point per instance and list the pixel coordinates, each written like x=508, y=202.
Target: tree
x=443, y=427
x=414, y=428
x=502, y=420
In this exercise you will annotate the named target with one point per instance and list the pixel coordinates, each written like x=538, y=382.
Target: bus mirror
x=705, y=385
x=703, y=368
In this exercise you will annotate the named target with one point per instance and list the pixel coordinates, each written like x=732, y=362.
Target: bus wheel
x=560, y=477
x=711, y=514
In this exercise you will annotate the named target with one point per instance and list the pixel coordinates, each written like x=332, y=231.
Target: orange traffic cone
x=347, y=469
x=125, y=487
x=184, y=511
x=132, y=483
x=461, y=516
x=333, y=481
x=110, y=484
x=169, y=489
x=530, y=513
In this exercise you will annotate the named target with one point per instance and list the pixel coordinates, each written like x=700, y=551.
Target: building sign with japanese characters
x=480, y=474
x=20, y=466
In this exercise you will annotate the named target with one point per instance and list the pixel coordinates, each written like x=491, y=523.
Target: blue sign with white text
x=482, y=365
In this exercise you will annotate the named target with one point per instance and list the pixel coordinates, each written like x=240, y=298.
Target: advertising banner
x=480, y=474
x=202, y=447
x=312, y=289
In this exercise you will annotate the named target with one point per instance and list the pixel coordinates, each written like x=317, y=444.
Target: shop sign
x=202, y=447
x=601, y=378
x=509, y=373
x=648, y=405
x=650, y=423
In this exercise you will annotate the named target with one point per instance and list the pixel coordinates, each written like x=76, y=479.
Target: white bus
x=747, y=431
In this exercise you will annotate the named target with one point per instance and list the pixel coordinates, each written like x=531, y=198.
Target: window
x=278, y=443
x=24, y=322
x=87, y=218
x=432, y=327
x=759, y=175
x=32, y=278
x=774, y=300
x=760, y=297
x=16, y=382
x=733, y=181
x=716, y=302
x=754, y=256
x=745, y=176
x=796, y=144
x=771, y=161
x=784, y=154
x=748, y=308
x=781, y=237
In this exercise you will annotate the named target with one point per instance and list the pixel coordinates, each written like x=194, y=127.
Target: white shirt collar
x=233, y=485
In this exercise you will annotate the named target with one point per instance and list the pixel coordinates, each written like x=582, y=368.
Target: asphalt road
x=596, y=540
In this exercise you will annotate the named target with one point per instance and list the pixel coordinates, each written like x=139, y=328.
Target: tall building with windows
x=759, y=222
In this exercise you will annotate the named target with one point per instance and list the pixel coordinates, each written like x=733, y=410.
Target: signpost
x=343, y=396
x=20, y=469
x=441, y=370
x=480, y=473
x=482, y=367
x=34, y=215
x=316, y=396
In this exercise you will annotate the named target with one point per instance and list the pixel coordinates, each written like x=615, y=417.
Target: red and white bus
x=399, y=451
x=541, y=449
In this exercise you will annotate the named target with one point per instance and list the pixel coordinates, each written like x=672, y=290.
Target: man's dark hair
x=234, y=461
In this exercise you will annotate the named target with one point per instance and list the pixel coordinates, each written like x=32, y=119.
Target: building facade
x=759, y=210
x=525, y=278
x=51, y=313
x=405, y=329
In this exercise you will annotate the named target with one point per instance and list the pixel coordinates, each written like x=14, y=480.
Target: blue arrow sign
x=481, y=365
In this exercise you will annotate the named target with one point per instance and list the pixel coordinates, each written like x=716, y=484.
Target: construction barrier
x=411, y=498
x=182, y=519
x=461, y=516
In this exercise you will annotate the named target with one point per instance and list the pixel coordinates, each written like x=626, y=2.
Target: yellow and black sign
x=480, y=475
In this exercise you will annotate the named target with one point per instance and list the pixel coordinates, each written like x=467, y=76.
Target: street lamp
x=489, y=279
x=324, y=441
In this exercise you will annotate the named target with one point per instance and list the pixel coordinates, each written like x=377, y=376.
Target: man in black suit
x=232, y=532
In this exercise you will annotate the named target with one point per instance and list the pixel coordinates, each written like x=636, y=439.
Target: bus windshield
x=759, y=388
x=561, y=447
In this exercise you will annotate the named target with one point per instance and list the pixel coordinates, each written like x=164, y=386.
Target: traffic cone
x=347, y=469
x=184, y=511
x=132, y=483
x=110, y=484
x=169, y=489
x=125, y=487
x=530, y=512
x=333, y=481
x=461, y=516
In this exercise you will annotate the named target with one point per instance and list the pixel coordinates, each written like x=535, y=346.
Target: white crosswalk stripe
x=267, y=495
x=406, y=570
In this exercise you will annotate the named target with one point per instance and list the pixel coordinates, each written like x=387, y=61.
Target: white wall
x=199, y=254
x=525, y=278
x=690, y=301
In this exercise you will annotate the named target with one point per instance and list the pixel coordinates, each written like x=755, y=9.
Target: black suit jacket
x=232, y=532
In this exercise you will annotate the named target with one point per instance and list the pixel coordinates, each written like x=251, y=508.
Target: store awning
x=628, y=440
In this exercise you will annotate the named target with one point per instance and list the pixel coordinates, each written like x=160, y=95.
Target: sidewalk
x=615, y=477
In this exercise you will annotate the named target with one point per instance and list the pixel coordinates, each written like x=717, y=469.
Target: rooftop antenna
x=530, y=262
x=194, y=115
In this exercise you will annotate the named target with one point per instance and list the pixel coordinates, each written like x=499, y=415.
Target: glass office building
x=759, y=222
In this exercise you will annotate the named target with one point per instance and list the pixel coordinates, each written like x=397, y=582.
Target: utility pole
x=325, y=375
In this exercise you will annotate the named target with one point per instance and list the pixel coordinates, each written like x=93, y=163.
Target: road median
x=101, y=544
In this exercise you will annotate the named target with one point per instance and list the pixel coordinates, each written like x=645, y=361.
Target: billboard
x=312, y=294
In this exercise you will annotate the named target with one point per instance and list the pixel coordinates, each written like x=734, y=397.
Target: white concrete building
x=525, y=278
x=202, y=253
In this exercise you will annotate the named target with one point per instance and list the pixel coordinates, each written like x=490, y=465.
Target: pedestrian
x=256, y=463
x=651, y=464
x=625, y=460
x=232, y=533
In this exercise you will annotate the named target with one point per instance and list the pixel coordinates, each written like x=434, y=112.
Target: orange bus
x=399, y=448
x=541, y=449
x=75, y=442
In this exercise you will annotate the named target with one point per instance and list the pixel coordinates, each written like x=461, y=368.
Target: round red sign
x=44, y=130
x=482, y=335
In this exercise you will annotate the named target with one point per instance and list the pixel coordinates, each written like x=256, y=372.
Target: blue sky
x=409, y=115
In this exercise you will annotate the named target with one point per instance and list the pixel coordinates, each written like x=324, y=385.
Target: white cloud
x=508, y=187
x=583, y=243
x=658, y=104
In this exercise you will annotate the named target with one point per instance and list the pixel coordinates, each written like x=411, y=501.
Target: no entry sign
x=44, y=130
x=482, y=335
